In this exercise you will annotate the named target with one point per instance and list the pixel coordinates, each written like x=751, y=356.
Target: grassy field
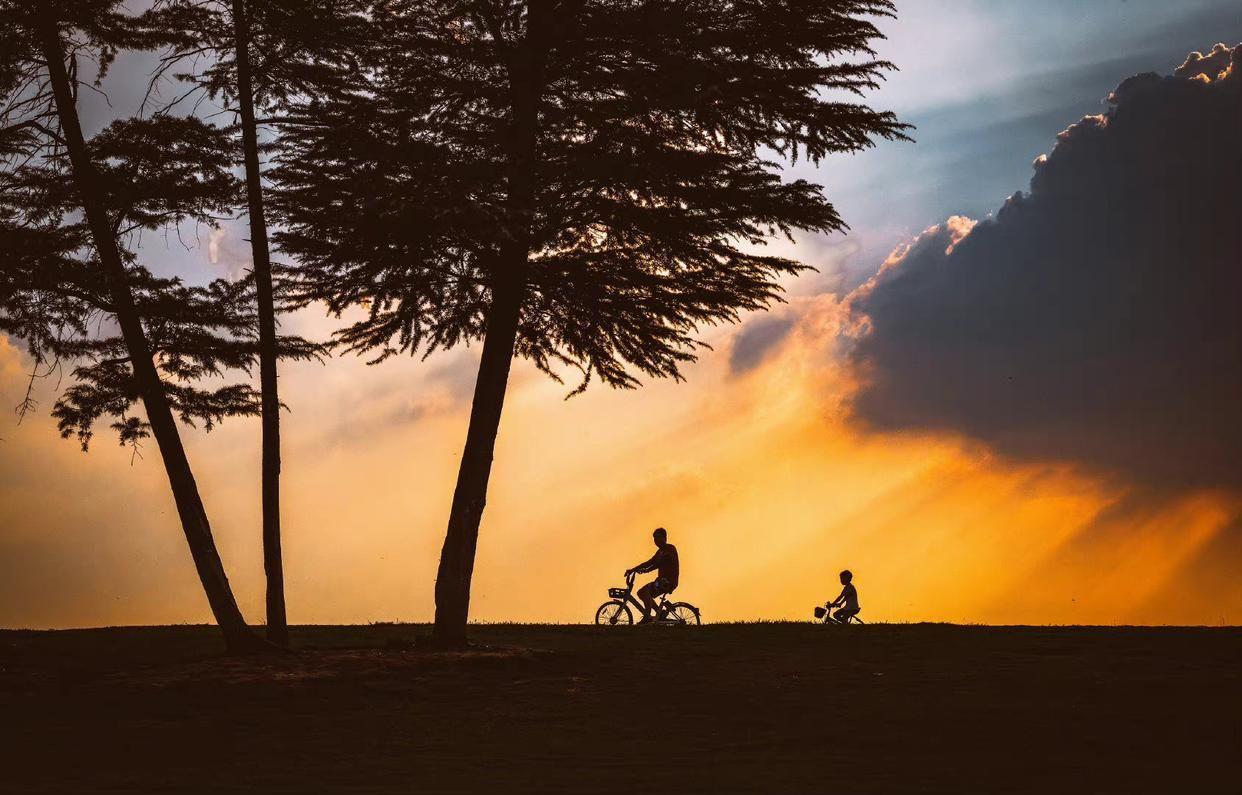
x=724, y=708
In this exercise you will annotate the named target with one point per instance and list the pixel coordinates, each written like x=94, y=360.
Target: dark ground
x=754, y=708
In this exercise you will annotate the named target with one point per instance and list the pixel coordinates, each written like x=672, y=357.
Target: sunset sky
x=880, y=423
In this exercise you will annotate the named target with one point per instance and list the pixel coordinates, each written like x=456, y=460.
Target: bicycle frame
x=626, y=594
x=828, y=619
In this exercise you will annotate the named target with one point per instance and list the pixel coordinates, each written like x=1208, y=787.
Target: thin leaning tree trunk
x=273, y=567
x=462, y=537
x=237, y=635
x=508, y=292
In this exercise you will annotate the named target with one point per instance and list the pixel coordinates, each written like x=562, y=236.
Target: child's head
x=846, y=576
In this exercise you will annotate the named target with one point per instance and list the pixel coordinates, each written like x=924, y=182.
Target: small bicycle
x=824, y=616
x=616, y=611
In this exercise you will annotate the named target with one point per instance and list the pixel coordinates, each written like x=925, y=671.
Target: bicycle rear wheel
x=614, y=613
x=684, y=613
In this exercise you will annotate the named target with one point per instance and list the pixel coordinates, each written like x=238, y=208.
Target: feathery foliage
x=654, y=181
x=296, y=47
x=158, y=173
x=67, y=209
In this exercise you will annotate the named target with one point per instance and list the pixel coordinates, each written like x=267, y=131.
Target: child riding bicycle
x=847, y=600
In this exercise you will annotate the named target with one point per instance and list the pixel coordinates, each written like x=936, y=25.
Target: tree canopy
x=654, y=172
x=156, y=173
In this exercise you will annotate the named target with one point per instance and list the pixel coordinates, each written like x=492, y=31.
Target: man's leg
x=648, y=599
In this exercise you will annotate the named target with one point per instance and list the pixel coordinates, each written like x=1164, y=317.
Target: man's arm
x=650, y=565
x=839, y=600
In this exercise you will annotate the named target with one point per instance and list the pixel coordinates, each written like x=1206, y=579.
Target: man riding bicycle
x=667, y=568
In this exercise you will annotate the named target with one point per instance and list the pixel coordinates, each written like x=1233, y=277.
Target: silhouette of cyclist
x=847, y=601
x=667, y=568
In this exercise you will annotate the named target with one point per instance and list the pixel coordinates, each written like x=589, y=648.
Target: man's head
x=846, y=576
x=660, y=536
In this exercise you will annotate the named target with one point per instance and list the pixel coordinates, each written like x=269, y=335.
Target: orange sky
x=766, y=487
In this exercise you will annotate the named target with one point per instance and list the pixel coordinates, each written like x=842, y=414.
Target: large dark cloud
x=1096, y=319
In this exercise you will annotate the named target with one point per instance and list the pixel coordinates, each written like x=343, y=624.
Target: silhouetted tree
x=71, y=288
x=580, y=182
x=257, y=54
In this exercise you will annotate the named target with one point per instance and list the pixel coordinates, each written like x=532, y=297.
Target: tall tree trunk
x=462, y=537
x=277, y=624
x=508, y=291
x=237, y=635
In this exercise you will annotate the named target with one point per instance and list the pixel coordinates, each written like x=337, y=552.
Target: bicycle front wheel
x=614, y=613
x=684, y=613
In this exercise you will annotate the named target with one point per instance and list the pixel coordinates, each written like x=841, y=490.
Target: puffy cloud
x=1214, y=66
x=1095, y=319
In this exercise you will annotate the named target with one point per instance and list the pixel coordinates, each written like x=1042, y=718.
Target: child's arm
x=839, y=600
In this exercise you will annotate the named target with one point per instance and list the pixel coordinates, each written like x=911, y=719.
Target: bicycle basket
x=617, y=593
x=820, y=612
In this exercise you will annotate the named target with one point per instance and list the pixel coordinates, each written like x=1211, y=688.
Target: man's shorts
x=846, y=613
x=659, y=586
